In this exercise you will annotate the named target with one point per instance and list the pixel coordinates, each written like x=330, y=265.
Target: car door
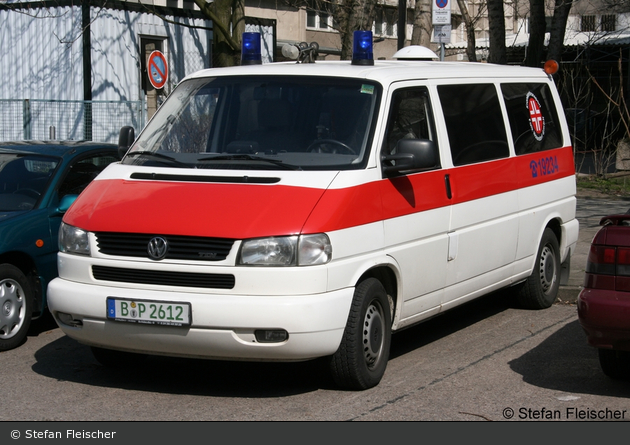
x=416, y=208
x=484, y=223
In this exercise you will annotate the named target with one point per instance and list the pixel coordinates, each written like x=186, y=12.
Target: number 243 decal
x=544, y=166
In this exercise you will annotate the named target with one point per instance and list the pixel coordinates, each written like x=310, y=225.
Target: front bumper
x=222, y=325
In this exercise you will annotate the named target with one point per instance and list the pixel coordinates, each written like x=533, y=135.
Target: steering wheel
x=28, y=192
x=317, y=146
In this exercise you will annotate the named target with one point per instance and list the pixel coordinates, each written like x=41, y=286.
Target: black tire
x=111, y=358
x=615, y=364
x=541, y=288
x=362, y=357
x=16, y=307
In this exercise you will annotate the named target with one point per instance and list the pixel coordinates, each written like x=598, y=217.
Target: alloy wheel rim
x=11, y=308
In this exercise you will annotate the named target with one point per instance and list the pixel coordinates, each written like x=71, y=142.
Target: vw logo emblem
x=157, y=248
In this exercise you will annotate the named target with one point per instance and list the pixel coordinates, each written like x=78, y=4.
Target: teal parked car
x=38, y=183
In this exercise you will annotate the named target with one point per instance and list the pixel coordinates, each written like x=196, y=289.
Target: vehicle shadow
x=565, y=362
x=452, y=321
x=66, y=360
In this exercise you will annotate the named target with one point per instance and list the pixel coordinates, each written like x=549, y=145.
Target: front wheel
x=15, y=307
x=361, y=359
x=541, y=288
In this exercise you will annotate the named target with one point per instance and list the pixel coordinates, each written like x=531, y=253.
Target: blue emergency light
x=250, y=50
x=362, y=48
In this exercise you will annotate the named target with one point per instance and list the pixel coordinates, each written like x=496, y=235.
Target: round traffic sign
x=158, y=69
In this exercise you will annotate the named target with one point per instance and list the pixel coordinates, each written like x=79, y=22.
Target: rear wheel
x=615, y=364
x=541, y=288
x=15, y=307
x=361, y=359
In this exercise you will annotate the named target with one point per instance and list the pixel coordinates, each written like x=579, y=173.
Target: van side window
x=474, y=122
x=409, y=118
x=533, y=117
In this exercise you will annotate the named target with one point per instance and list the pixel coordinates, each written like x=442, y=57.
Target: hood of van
x=199, y=205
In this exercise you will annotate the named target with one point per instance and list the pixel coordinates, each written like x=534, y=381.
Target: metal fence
x=100, y=121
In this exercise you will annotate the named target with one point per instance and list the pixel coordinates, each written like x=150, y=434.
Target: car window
x=262, y=122
x=409, y=118
x=474, y=121
x=81, y=173
x=533, y=117
x=23, y=179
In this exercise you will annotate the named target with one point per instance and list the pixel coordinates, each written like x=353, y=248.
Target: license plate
x=164, y=313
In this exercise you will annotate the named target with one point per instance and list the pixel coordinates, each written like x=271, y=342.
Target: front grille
x=193, y=248
x=164, y=278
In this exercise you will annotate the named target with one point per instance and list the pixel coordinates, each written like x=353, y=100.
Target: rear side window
x=533, y=117
x=474, y=123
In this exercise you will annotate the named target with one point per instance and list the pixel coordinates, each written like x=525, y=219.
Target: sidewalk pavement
x=590, y=210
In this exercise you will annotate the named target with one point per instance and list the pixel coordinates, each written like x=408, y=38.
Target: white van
x=290, y=211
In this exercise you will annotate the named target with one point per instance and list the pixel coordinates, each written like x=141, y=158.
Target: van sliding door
x=484, y=225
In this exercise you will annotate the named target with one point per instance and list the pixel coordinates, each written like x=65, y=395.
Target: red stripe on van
x=251, y=210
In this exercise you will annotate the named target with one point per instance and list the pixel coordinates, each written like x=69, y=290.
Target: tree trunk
x=496, y=24
x=537, y=28
x=226, y=15
x=558, y=27
x=422, y=23
x=350, y=16
x=470, y=32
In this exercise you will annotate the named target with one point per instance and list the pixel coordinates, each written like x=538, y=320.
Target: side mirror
x=65, y=203
x=411, y=155
x=125, y=139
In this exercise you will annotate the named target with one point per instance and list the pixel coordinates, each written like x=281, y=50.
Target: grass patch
x=616, y=184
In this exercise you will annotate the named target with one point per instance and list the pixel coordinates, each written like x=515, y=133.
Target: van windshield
x=262, y=122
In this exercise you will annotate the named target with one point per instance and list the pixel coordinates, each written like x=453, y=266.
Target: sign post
x=441, y=18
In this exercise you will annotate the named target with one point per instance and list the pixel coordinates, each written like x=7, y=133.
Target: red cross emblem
x=535, y=116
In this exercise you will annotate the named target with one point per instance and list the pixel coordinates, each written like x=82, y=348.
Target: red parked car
x=604, y=303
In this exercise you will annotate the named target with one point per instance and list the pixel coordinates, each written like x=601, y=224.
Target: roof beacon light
x=250, y=51
x=362, y=48
x=551, y=67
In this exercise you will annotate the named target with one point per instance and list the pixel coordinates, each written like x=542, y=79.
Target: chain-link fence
x=100, y=121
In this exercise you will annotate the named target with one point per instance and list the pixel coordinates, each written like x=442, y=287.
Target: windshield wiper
x=246, y=157
x=160, y=156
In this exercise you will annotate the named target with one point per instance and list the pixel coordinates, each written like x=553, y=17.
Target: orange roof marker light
x=551, y=67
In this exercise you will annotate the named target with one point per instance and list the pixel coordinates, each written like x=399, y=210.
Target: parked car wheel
x=361, y=359
x=541, y=288
x=15, y=307
x=614, y=363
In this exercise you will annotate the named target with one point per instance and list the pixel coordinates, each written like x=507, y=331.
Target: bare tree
x=558, y=28
x=228, y=17
x=350, y=16
x=537, y=28
x=470, y=31
x=496, y=24
x=422, y=23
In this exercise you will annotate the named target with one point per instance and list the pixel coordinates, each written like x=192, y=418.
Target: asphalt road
x=488, y=360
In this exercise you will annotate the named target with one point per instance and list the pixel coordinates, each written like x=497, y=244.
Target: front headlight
x=303, y=250
x=73, y=240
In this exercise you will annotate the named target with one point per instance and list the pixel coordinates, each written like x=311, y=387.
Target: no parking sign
x=157, y=69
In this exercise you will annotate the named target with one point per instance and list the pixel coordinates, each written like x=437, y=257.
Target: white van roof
x=383, y=71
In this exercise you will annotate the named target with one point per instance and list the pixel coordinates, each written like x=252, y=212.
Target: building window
x=319, y=20
x=385, y=23
x=608, y=23
x=588, y=23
